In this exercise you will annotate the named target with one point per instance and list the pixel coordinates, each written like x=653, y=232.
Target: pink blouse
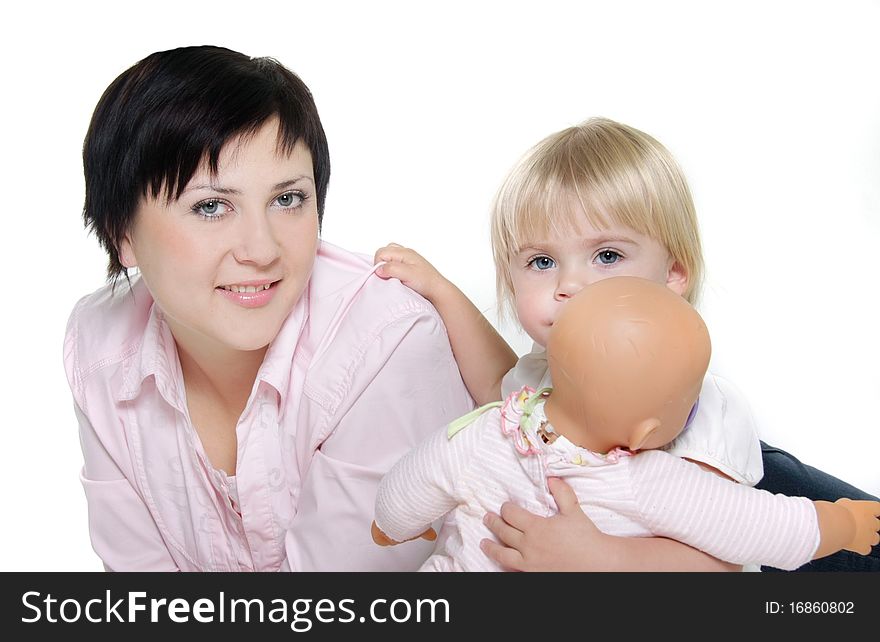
x=360, y=372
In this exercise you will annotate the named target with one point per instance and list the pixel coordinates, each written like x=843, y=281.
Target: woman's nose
x=256, y=243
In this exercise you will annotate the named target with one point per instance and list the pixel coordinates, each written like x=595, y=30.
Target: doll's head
x=627, y=358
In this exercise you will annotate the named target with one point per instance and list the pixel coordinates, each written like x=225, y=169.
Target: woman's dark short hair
x=159, y=120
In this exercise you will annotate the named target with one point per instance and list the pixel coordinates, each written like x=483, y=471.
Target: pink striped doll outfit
x=500, y=456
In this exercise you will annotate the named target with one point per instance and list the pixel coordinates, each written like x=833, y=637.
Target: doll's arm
x=742, y=524
x=421, y=487
x=847, y=524
x=569, y=541
x=482, y=355
x=382, y=539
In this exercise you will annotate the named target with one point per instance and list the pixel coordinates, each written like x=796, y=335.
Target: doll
x=627, y=358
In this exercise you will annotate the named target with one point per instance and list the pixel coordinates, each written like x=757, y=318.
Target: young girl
x=598, y=200
x=628, y=357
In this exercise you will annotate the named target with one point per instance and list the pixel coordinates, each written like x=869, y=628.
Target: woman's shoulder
x=346, y=296
x=364, y=331
x=105, y=327
x=357, y=319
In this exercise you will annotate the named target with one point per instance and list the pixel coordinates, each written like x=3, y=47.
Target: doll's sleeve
x=424, y=484
x=729, y=521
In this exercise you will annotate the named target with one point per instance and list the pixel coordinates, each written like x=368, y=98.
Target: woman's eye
x=542, y=263
x=608, y=257
x=211, y=208
x=290, y=199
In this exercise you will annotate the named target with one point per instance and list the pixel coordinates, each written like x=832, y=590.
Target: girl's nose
x=568, y=286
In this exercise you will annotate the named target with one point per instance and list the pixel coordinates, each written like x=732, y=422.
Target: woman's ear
x=677, y=278
x=126, y=252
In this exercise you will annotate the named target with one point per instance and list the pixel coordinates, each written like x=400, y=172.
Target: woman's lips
x=250, y=294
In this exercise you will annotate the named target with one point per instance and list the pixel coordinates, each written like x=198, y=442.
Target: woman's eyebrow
x=292, y=181
x=230, y=190
x=213, y=188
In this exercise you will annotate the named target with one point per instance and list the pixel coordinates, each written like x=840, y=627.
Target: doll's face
x=547, y=272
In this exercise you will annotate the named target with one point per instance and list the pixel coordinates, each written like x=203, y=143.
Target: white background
x=772, y=108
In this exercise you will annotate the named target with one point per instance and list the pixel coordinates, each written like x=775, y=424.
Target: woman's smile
x=254, y=249
x=250, y=294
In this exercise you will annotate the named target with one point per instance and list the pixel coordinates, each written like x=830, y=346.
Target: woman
x=233, y=396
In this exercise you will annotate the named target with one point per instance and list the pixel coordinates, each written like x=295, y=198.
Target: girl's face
x=548, y=272
x=228, y=260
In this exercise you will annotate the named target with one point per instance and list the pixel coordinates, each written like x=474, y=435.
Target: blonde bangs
x=609, y=173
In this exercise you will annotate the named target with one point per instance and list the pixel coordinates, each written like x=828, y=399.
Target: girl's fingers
x=388, y=253
x=566, y=499
x=509, y=558
x=502, y=529
x=516, y=516
x=394, y=270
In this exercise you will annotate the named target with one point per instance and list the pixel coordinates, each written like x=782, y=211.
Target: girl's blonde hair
x=618, y=174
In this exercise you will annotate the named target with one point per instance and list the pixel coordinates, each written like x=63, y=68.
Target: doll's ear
x=642, y=433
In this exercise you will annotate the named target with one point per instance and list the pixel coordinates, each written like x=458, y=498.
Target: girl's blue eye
x=542, y=263
x=608, y=257
x=290, y=199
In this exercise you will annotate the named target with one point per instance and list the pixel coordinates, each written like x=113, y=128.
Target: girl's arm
x=483, y=356
x=569, y=541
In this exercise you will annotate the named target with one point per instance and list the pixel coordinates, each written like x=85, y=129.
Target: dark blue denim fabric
x=784, y=473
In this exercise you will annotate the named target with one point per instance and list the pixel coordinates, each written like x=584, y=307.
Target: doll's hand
x=411, y=269
x=865, y=514
x=382, y=539
x=567, y=541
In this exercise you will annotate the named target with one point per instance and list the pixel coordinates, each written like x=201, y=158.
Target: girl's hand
x=411, y=269
x=482, y=355
x=567, y=541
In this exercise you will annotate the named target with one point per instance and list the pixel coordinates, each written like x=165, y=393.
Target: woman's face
x=228, y=260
